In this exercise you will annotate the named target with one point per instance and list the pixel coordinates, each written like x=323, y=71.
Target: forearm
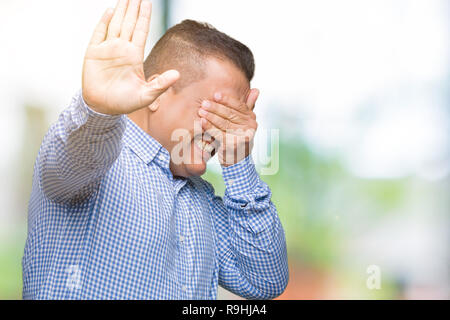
x=77, y=151
x=83, y=145
x=257, y=255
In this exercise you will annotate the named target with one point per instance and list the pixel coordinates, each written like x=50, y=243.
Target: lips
x=206, y=143
x=205, y=146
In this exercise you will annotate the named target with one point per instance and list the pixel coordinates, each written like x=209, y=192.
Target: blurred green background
x=359, y=93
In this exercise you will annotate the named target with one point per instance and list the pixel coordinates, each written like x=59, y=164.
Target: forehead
x=220, y=76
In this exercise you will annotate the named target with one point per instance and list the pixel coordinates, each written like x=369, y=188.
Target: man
x=118, y=209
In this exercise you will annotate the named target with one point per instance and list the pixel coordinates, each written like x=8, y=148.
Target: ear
x=155, y=105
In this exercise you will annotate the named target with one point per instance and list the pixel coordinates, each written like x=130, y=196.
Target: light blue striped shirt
x=107, y=220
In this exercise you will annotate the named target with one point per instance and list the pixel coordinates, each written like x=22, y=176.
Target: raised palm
x=113, y=72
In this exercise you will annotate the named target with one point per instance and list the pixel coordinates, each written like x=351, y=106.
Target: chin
x=194, y=165
x=202, y=150
x=195, y=170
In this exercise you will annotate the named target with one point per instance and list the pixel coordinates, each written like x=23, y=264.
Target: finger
x=252, y=98
x=212, y=131
x=129, y=23
x=102, y=27
x=224, y=112
x=143, y=24
x=221, y=139
x=117, y=19
x=153, y=89
x=230, y=102
x=219, y=122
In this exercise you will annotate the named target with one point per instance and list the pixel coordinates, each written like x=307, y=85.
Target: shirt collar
x=144, y=145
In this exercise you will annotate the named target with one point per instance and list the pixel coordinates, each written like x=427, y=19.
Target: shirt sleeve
x=77, y=152
x=251, y=245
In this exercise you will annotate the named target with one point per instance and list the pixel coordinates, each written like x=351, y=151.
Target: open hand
x=113, y=72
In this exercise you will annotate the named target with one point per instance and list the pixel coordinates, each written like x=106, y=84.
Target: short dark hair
x=186, y=46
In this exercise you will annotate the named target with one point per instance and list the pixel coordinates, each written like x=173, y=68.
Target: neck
x=143, y=119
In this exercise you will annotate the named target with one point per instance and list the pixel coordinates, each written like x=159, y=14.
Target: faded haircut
x=186, y=46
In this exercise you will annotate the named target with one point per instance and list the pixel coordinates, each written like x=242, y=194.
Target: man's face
x=176, y=123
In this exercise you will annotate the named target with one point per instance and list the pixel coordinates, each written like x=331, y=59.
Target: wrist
x=96, y=107
x=95, y=116
x=228, y=160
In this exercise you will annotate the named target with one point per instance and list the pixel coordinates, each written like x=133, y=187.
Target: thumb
x=157, y=85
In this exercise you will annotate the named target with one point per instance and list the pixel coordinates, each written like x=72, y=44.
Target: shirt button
x=181, y=238
x=184, y=288
x=231, y=182
x=161, y=157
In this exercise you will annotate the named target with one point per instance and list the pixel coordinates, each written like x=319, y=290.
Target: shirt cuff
x=95, y=119
x=240, y=179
